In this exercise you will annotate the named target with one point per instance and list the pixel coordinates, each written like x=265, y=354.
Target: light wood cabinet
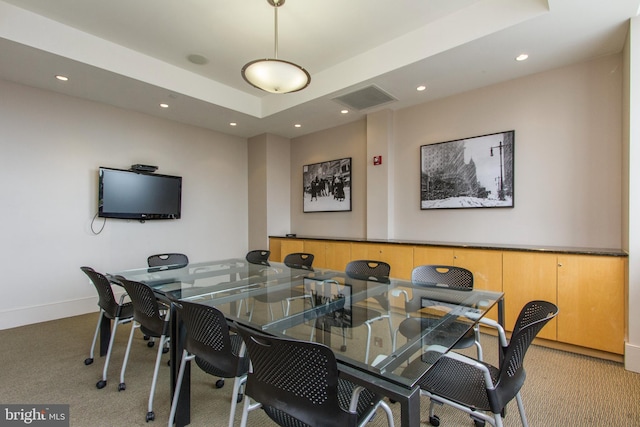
x=289, y=246
x=591, y=301
x=399, y=257
x=528, y=276
x=329, y=254
x=486, y=265
x=588, y=289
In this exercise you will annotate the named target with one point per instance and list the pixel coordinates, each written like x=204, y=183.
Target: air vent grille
x=365, y=98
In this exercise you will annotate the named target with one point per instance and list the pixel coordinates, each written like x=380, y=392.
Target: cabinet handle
x=559, y=264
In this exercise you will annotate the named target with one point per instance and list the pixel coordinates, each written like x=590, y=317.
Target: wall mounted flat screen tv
x=128, y=194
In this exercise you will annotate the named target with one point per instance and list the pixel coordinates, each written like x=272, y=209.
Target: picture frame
x=476, y=172
x=326, y=186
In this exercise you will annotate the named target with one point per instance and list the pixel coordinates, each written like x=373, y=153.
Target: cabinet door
x=423, y=255
x=526, y=277
x=274, y=247
x=486, y=267
x=591, y=301
x=399, y=257
x=337, y=254
x=289, y=246
x=317, y=248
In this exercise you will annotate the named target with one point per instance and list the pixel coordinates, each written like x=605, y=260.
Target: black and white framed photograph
x=327, y=186
x=474, y=172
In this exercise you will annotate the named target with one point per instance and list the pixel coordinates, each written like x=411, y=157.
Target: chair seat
x=236, y=344
x=414, y=326
x=445, y=377
x=366, y=404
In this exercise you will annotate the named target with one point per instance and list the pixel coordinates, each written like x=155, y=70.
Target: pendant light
x=275, y=75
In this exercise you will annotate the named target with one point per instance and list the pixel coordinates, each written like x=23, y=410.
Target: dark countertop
x=525, y=248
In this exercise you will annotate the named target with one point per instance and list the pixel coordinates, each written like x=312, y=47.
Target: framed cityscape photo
x=327, y=186
x=473, y=172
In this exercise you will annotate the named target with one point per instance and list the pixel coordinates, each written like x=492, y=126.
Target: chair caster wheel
x=101, y=384
x=165, y=350
x=478, y=423
x=220, y=383
x=122, y=387
x=146, y=337
x=151, y=344
x=151, y=416
x=239, y=399
x=343, y=348
x=88, y=361
x=169, y=362
x=434, y=421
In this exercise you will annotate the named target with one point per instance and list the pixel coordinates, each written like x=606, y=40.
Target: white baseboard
x=21, y=316
x=632, y=357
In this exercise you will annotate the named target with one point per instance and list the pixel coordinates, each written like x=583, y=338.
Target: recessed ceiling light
x=522, y=57
x=344, y=111
x=62, y=78
x=421, y=88
x=164, y=105
x=233, y=124
x=298, y=125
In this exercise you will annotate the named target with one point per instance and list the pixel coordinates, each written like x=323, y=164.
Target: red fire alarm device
x=377, y=160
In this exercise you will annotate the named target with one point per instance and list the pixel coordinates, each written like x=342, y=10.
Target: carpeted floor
x=43, y=363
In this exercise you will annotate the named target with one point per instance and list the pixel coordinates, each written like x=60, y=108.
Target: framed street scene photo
x=327, y=186
x=473, y=172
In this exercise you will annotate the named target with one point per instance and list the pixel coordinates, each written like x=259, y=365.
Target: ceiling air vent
x=365, y=98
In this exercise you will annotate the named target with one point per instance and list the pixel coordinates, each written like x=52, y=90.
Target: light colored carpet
x=43, y=363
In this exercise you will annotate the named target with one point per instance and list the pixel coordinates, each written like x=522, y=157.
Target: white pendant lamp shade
x=276, y=76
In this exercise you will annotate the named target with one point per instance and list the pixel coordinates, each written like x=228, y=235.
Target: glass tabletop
x=390, y=329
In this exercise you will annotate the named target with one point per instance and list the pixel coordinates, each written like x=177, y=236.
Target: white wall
x=631, y=121
x=336, y=143
x=568, y=156
x=52, y=146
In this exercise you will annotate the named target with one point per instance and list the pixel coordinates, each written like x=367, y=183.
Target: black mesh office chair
x=258, y=257
x=297, y=384
x=119, y=312
x=478, y=388
x=296, y=260
x=152, y=317
x=300, y=260
x=374, y=271
x=168, y=261
x=451, y=277
x=215, y=350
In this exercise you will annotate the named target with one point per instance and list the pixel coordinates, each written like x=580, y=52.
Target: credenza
x=587, y=284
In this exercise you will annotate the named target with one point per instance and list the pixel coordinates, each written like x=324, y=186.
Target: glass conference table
x=330, y=307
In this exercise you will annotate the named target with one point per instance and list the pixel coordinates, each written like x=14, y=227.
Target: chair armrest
x=493, y=324
x=355, y=395
x=398, y=292
x=475, y=364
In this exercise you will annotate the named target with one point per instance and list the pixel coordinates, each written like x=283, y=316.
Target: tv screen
x=128, y=194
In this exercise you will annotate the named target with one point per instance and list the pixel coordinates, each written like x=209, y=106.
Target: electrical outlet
x=377, y=341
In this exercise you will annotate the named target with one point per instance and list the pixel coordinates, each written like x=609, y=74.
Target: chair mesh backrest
x=368, y=269
x=106, y=299
x=299, y=378
x=258, y=256
x=146, y=310
x=533, y=316
x=168, y=260
x=443, y=275
x=299, y=260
